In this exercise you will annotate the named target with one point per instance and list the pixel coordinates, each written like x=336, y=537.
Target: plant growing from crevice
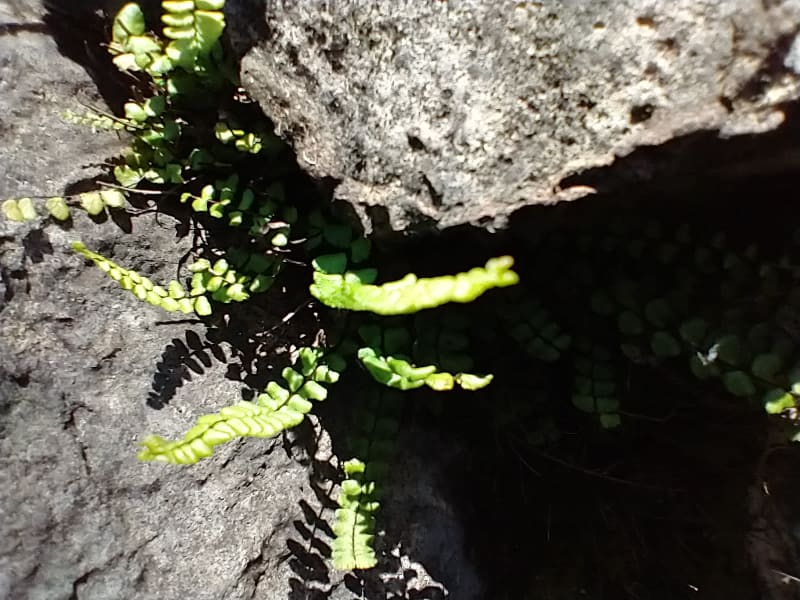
x=182, y=150
x=178, y=148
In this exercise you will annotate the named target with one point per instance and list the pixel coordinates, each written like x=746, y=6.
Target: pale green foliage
x=174, y=298
x=95, y=121
x=151, y=156
x=193, y=28
x=352, y=290
x=355, y=520
x=134, y=49
x=398, y=372
x=19, y=210
x=224, y=283
x=264, y=214
x=242, y=140
x=94, y=203
x=279, y=408
x=387, y=359
x=57, y=207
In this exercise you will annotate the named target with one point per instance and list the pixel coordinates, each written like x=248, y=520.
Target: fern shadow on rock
x=180, y=359
x=310, y=552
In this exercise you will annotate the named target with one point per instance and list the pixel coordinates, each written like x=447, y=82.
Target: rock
x=436, y=114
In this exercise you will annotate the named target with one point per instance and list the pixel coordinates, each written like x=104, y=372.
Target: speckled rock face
x=435, y=114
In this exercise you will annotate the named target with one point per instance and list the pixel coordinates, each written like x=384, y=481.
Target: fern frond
x=372, y=439
x=243, y=141
x=386, y=359
x=95, y=120
x=132, y=48
x=241, y=205
x=19, y=210
x=224, y=283
x=355, y=520
x=595, y=384
x=194, y=27
x=353, y=290
x=174, y=298
x=534, y=329
x=279, y=408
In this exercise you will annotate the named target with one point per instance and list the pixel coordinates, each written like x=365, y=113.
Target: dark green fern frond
x=279, y=408
x=595, y=389
x=535, y=330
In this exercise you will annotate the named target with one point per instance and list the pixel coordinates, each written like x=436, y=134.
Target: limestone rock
x=436, y=114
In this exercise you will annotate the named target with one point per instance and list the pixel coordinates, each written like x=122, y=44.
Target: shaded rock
x=432, y=115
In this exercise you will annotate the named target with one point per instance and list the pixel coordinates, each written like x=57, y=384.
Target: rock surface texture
x=86, y=370
x=437, y=114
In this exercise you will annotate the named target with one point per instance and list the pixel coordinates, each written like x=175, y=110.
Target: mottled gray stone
x=436, y=114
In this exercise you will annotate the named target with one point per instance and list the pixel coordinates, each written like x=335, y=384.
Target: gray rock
x=436, y=114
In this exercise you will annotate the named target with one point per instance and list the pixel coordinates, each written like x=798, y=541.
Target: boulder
x=437, y=114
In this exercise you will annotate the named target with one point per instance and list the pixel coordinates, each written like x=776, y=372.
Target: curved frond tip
x=411, y=294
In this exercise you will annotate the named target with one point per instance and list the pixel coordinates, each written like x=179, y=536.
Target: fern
x=533, y=328
x=173, y=298
x=355, y=520
x=372, y=440
x=199, y=161
x=279, y=408
x=94, y=203
x=192, y=28
x=353, y=290
x=243, y=141
x=595, y=383
x=394, y=369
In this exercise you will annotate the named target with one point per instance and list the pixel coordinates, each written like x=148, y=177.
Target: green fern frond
x=386, y=358
x=174, y=298
x=194, y=27
x=353, y=290
x=242, y=140
x=534, y=329
x=399, y=373
x=94, y=203
x=132, y=48
x=224, y=283
x=96, y=121
x=20, y=210
x=355, y=520
x=264, y=213
x=372, y=439
x=279, y=408
x=595, y=388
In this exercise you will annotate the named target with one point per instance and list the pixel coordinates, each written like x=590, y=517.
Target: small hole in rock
x=641, y=113
x=415, y=143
